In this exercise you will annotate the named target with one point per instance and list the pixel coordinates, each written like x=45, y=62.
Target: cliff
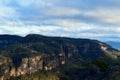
x=27, y=55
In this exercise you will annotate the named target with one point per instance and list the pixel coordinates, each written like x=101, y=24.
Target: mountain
x=114, y=44
x=56, y=58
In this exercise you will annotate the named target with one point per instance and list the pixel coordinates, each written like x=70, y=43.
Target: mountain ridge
x=26, y=55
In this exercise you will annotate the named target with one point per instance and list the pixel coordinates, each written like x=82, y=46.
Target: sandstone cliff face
x=28, y=65
x=5, y=65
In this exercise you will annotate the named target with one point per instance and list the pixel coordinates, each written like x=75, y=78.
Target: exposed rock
x=63, y=62
x=103, y=48
x=28, y=65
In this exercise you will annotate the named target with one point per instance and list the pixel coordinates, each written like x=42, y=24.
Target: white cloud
x=43, y=3
x=107, y=15
x=74, y=28
x=69, y=25
x=7, y=12
x=24, y=30
x=62, y=30
x=62, y=11
x=34, y=3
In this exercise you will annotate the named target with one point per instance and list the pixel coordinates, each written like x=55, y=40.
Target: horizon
x=60, y=37
x=96, y=19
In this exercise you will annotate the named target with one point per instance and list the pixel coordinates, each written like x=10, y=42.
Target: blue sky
x=95, y=19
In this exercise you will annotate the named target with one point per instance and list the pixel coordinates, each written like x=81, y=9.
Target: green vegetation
x=117, y=62
x=102, y=65
x=41, y=75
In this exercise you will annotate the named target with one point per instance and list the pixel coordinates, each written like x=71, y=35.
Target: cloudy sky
x=95, y=19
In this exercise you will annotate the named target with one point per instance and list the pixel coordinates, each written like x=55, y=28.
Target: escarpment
x=27, y=55
x=28, y=65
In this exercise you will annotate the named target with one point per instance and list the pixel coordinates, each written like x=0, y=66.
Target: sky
x=94, y=19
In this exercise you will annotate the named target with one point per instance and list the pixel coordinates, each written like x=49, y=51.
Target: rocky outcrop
x=28, y=65
x=5, y=65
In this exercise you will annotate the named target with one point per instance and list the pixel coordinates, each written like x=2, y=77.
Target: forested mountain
x=39, y=57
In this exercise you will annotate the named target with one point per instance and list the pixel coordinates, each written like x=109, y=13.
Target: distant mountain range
x=39, y=57
x=114, y=44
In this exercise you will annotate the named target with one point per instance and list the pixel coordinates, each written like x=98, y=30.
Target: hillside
x=63, y=58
